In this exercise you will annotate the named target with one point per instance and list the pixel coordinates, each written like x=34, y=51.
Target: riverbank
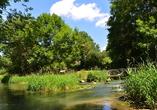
x=56, y=82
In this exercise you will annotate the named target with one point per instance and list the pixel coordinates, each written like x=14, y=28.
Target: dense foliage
x=56, y=82
x=132, y=31
x=46, y=45
x=141, y=86
x=97, y=76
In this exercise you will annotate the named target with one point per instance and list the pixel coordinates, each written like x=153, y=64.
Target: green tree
x=105, y=60
x=89, y=51
x=5, y=3
x=123, y=37
x=148, y=29
x=57, y=47
x=17, y=39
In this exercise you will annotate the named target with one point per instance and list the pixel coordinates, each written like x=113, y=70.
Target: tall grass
x=56, y=82
x=97, y=76
x=1, y=77
x=52, y=82
x=141, y=86
x=83, y=75
x=19, y=79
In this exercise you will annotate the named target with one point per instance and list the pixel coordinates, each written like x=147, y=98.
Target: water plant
x=52, y=82
x=19, y=79
x=97, y=76
x=141, y=86
x=83, y=75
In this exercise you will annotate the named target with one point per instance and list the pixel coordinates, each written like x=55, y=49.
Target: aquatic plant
x=97, y=76
x=141, y=86
x=52, y=82
x=83, y=75
x=19, y=79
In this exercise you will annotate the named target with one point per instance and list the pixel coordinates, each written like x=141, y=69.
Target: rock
x=108, y=79
x=93, y=82
x=82, y=81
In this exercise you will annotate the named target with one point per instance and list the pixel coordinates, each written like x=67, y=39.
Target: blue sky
x=87, y=15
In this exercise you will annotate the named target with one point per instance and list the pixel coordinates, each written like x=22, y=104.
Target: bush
x=141, y=86
x=3, y=71
x=5, y=79
x=97, y=76
x=1, y=77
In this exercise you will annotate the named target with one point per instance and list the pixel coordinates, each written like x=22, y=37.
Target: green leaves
x=142, y=83
x=46, y=44
x=132, y=28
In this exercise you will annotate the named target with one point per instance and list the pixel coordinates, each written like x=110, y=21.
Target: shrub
x=5, y=79
x=3, y=71
x=141, y=86
x=97, y=76
x=1, y=77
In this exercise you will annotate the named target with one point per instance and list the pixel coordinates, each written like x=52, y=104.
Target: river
x=102, y=97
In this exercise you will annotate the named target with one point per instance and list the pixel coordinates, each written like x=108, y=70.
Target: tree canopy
x=127, y=36
x=46, y=44
x=5, y=3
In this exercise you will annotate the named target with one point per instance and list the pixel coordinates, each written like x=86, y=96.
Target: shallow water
x=15, y=97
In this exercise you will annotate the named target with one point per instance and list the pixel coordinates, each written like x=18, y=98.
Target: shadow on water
x=89, y=107
x=14, y=97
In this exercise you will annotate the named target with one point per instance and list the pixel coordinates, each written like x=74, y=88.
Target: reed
x=141, y=86
x=83, y=75
x=52, y=82
x=19, y=79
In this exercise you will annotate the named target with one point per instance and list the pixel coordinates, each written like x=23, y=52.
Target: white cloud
x=103, y=21
x=104, y=48
x=62, y=8
x=89, y=12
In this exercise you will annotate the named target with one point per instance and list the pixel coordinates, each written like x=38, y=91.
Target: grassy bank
x=19, y=79
x=55, y=82
x=141, y=86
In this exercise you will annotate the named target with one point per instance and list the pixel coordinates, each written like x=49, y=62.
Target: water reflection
x=14, y=97
x=89, y=107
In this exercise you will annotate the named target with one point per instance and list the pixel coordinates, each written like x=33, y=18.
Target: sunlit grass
x=52, y=82
x=19, y=79
x=141, y=86
x=56, y=82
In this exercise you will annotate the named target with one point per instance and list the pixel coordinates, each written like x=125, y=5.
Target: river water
x=15, y=97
